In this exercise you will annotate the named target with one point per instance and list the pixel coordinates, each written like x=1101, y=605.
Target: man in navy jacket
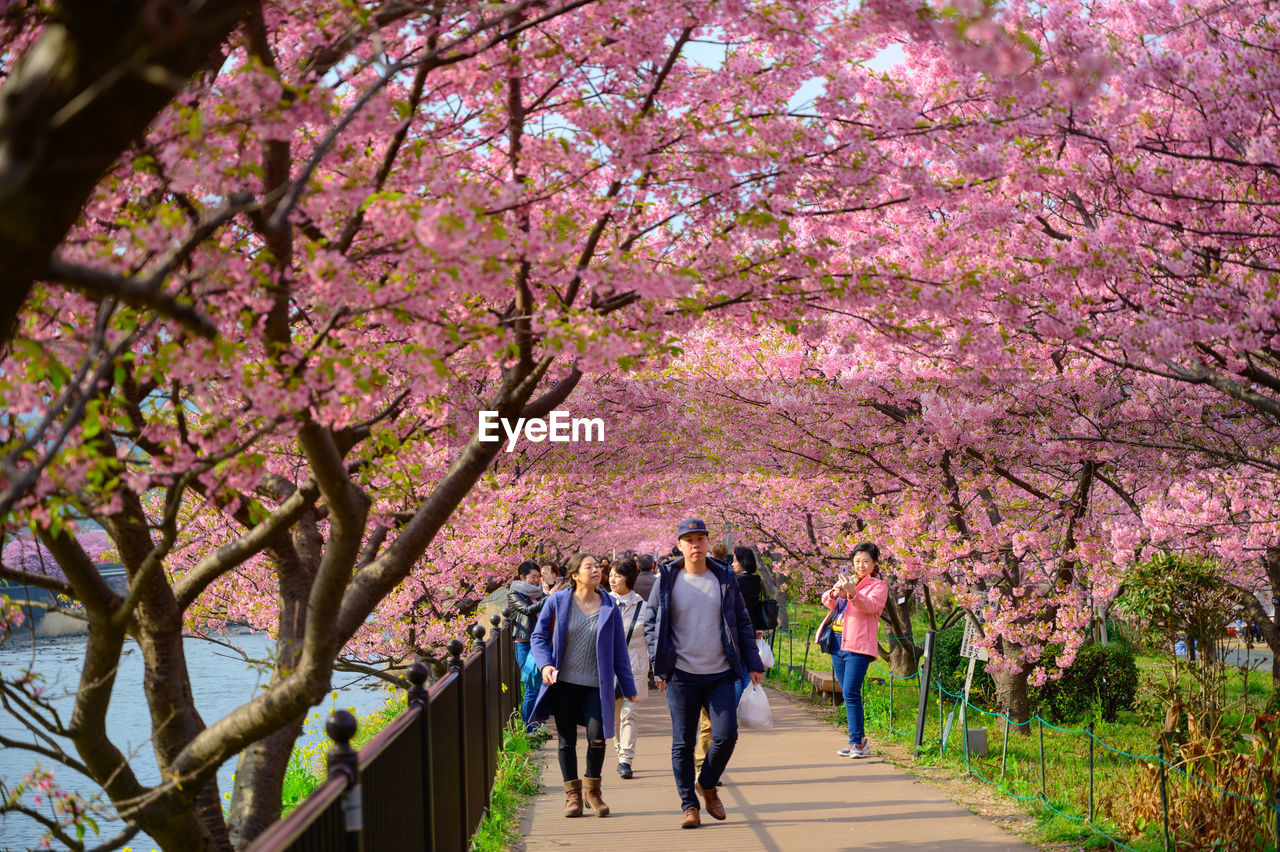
x=700, y=640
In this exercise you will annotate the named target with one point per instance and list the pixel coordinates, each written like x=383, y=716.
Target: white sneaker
x=863, y=750
x=847, y=751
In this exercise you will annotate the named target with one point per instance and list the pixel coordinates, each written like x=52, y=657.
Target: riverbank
x=226, y=680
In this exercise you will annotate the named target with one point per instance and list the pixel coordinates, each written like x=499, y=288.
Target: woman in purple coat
x=580, y=647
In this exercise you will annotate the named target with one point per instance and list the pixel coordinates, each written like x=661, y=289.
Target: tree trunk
x=1011, y=692
x=259, y=782
x=902, y=653
x=48, y=169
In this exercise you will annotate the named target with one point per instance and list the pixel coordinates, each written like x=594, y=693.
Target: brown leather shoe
x=573, y=798
x=591, y=790
x=691, y=818
x=711, y=798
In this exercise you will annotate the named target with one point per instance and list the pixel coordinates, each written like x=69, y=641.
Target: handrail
x=337, y=814
x=283, y=832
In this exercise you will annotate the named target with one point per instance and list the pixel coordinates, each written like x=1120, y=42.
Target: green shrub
x=1104, y=677
x=949, y=667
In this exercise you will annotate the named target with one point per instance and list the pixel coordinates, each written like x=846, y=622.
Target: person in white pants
x=622, y=581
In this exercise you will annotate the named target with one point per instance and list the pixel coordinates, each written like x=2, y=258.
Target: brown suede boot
x=573, y=798
x=591, y=789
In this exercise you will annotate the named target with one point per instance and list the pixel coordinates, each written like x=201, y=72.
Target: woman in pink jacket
x=864, y=594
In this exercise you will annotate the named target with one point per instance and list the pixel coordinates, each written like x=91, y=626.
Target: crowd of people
x=687, y=627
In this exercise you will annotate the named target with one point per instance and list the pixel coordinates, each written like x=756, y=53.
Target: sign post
x=973, y=653
x=924, y=689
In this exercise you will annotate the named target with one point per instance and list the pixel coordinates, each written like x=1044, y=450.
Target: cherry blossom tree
x=388, y=222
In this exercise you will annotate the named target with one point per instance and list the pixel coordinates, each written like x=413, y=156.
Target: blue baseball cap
x=691, y=525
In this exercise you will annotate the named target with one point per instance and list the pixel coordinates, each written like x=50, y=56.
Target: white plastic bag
x=753, y=709
x=766, y=653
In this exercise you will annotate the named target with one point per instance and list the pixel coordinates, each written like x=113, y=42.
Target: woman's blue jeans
x=850, y=669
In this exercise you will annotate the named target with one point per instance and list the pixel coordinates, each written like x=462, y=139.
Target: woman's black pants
x=572, y=705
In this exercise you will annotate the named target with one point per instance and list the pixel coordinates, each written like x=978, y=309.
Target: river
x=222, y=681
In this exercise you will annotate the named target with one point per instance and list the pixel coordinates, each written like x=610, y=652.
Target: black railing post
x=503, y=657
x=455, y=665
x=342, y=761
x=420, y=703
x=478, y=631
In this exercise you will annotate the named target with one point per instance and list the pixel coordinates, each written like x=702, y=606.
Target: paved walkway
x=1258, y=658
x=785, y=790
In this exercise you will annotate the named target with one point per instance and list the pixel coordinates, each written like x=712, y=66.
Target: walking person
x=752, y=588
x=646, y=578
x=864, y=595
x=525, y=600
x=579, y=646
x=744, y=569
x=632, y=605
x=702, y=642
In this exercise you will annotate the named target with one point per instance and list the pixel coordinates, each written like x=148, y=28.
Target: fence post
x=496, y=633
x=942, y=739
x=1164, y=795
x=1004, y=750
x=890, y=700
x=343, y=761
x=964, y=729
x=1042, y=789
x=478, y=632
x=1090, y=772
x=419, y=703
x=455, y=665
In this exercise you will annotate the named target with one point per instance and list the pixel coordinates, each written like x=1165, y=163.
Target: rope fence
x=882, y=693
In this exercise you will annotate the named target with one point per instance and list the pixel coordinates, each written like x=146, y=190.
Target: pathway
x=785, y=790
x=1258, y=658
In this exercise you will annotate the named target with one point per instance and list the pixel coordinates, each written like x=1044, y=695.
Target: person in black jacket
x=525, y=600
x=646, y=576
x=752, y=588
x=701, y=643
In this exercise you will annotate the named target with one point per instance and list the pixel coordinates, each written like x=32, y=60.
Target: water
x=222, y=682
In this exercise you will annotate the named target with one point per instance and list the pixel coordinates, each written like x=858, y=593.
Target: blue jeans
x=850, y=669
x=529, y=685
x=687, y=694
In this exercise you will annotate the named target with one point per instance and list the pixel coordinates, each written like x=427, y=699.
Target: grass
x=519, y=779
x=1124, y=785
x=306, y=769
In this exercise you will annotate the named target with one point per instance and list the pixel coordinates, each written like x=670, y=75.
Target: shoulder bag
x=828, y=637
x=617, y=684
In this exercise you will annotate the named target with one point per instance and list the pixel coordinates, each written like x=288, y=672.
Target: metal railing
x=423, y=782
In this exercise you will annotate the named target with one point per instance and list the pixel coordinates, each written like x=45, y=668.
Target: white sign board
x=967, y=648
